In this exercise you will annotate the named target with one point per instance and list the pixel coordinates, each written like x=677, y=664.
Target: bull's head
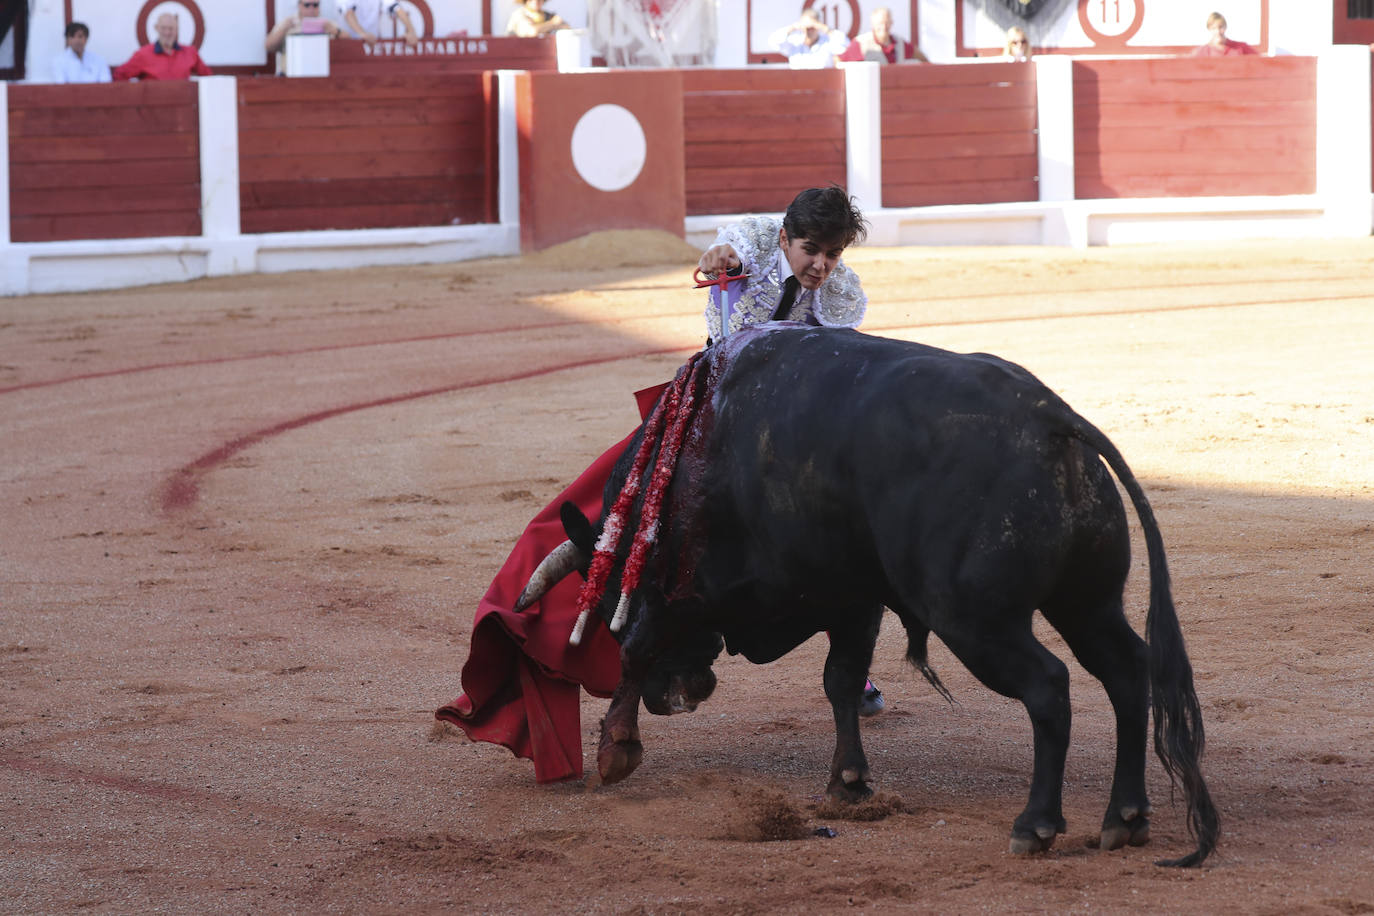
x=679, y=676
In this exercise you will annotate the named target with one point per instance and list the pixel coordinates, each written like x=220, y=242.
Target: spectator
x=531, y=20
x=275, y=41
x=164, y=59
x=364, y=19
x=1018, y=45
x=881, y=45
x=1219, y=45
x=77, y=65
x=808, y=43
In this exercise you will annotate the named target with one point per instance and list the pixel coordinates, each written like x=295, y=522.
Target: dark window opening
x=1359, y=9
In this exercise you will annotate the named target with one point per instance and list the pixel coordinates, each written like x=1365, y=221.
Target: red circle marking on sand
x=182, y=488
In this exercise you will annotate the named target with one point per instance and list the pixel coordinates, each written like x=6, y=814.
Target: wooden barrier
x=442, y=55
x=754, y=138
x=959, y=134
x=1195, y=127
x=367, y=152
x=107, y=161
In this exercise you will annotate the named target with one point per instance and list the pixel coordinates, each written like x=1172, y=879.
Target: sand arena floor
x=246, y=521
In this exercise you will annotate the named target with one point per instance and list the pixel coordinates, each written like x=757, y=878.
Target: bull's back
x=849, y=454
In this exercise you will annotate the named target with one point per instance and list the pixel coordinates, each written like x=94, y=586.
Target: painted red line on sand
x=171, y=792
x=182, y=488
x=273, y=354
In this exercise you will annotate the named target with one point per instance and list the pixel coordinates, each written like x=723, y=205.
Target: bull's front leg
x=846, y=670
x=620, y=751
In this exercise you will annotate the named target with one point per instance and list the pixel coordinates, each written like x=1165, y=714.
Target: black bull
x=828, y=474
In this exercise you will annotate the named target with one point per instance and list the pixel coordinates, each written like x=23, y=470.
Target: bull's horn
x=561, y=561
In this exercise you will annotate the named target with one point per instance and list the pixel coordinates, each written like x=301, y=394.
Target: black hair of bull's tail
x=1178, y=730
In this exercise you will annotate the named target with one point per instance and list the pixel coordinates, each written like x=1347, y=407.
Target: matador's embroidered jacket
x=839, y=303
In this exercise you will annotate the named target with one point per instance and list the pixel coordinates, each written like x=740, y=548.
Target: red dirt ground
x=246, y=522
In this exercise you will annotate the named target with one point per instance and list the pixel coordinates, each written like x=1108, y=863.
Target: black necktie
x=789, y=295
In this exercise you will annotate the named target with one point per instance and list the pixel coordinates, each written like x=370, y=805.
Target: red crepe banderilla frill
x=663, y=433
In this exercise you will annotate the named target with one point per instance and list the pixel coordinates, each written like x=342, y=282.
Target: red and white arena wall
x=125, y=184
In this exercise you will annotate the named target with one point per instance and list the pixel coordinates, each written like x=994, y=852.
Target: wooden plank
x=1192, y=186
x=96, y=175
x=361, y=139
x=124, y=226
x=737, y=105
x=772, y=199
x=1218, y=140
x=110, y=150
x=474, y=54
x=989, y=168
x=953, y=123
x=116, y=199
x=378, y=216
x=969, y=74
x=1203, y=162
x=800, y=152
x=1275, y=89
x=419, y=88
x=973, y=98
x=145, y=93
x=748, y=177
x=1232, y=112
x=967, y=192
x=456, y=66
x=436, y=163
x=110, y=122
x=781, y=129
x=760, y=79
x=1212, y=71
x=966, y=146
x=378, y=113
x=286, y=195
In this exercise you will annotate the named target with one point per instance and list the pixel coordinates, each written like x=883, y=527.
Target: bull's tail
x=1178, y=730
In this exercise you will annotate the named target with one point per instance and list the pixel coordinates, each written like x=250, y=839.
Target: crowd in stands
x=807, y=44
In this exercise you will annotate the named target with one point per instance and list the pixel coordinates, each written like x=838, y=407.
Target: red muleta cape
x=521, y=679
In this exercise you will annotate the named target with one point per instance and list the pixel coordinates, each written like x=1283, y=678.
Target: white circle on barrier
x=608, y=148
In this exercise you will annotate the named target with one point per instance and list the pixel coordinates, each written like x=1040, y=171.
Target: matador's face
x=811, y=261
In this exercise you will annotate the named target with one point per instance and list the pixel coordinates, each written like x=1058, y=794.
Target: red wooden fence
x=959, y=134
x=117, y=160
x=754, y=138
x=366, y=152
x=1195, y=127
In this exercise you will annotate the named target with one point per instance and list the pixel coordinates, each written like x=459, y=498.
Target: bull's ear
x=579, y=529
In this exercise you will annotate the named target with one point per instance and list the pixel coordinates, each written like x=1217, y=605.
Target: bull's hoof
x=1127, y=827
x=1028, y=837
x=1029, y=845
x=849, y=788
x=617, y=759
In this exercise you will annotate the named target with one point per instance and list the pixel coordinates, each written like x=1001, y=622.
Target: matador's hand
x=718, y=259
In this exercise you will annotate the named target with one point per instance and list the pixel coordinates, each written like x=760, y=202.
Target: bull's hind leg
x=846, y=670
x=1109, y=650
x=1012, y=662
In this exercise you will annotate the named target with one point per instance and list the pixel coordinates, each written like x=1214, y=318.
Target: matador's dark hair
x=827, y=216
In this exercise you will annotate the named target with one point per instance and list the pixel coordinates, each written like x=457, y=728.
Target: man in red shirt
x=1219, y=45
x=164, y=59
x=880, y=44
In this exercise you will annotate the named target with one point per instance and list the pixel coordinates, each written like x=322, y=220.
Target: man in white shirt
x=808, y=43
x=76, y=64
x=364, y=19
